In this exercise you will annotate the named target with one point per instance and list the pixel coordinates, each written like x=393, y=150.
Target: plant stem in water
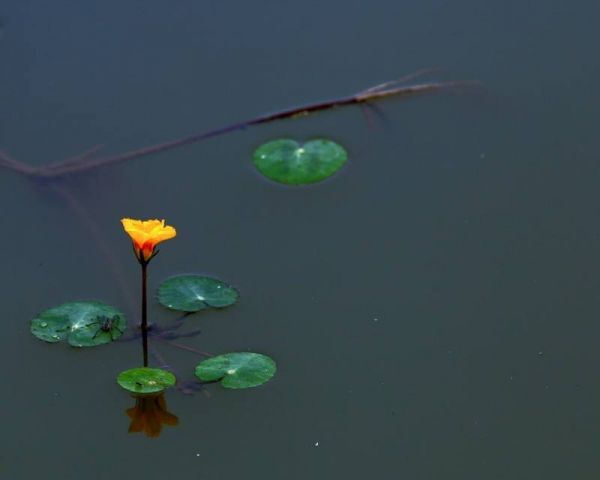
x=144, y=312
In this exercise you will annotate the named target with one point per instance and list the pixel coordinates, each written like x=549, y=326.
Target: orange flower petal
x=146, y=234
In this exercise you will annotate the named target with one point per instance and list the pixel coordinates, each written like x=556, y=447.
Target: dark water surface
x=434, y=308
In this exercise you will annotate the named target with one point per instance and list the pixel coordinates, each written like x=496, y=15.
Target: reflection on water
x=150, y=414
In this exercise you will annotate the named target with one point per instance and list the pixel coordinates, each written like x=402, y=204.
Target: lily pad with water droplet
x=191, y=293
x=237, y=370
x=146, y=380
x=287, y=161
x=81, y=324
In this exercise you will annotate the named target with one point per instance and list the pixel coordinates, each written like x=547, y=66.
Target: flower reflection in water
x=150, y=414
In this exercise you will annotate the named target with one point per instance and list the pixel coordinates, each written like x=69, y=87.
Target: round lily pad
x=146, y=380
x=190, y=293
x=287, y=161
x=237, y=370
x=82, y=324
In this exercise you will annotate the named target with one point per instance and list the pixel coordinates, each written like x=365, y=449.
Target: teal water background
x=433, y=308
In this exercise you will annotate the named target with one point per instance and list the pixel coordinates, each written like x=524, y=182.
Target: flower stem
x=144, y=312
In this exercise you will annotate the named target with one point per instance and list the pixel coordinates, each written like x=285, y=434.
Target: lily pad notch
x=292, y=163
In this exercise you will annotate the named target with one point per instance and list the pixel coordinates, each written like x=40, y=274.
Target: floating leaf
x=237, y=370
x=146, y=380
x=82, y=324
x=190, y=293
x=287, y=161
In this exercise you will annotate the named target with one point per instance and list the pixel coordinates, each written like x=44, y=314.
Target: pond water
x=433, y=308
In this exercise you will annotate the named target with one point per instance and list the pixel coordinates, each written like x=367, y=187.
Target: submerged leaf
x=190, y=293
x=146, y=380
x=287, y=161
x=82, y=324
x=237, y=370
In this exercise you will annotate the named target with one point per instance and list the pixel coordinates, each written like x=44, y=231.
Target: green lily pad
x=191, y=293
x=82, y=324
x=237, y=370
x=146, y=380
x=287, y=161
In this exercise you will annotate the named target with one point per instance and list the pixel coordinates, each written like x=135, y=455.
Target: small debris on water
x=316, y=444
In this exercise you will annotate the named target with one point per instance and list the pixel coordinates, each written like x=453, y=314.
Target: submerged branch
x=8, y=162
x=85, y=161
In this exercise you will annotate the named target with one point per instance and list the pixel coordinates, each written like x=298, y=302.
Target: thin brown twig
x=69, y=167
x=159, y=358
x=85, y=162
x=183, y=347
x=83, y=156
x=20, y=167
x=403, y=79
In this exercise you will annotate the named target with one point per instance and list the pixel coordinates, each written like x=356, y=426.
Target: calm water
x=433, y=308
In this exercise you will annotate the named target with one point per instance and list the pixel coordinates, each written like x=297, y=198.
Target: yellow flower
x=146, y=234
